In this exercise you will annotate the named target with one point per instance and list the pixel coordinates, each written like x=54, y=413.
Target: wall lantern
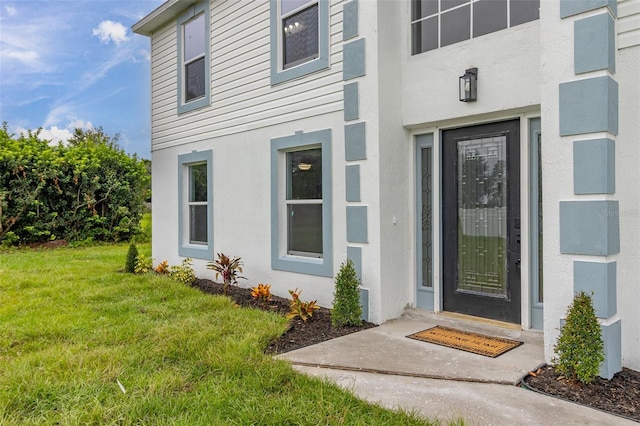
x=468, y=89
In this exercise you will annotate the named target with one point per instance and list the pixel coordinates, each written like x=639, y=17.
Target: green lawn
x=72, y=328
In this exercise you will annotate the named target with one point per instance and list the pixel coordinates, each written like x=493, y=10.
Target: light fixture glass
x=468, y=85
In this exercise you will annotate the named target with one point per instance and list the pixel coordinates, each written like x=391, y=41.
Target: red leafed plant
x=229, y=268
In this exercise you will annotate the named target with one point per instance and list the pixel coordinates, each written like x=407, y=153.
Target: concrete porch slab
x=386, y=349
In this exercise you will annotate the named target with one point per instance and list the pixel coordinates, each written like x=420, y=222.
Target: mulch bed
x=300, y=333
x=620, y=395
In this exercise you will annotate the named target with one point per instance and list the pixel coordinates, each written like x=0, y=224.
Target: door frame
x=528, y=123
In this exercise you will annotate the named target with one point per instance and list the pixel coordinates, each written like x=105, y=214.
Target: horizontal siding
x=628, y=23
x=242, y=97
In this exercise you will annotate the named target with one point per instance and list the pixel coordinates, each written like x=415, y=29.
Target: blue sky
x=75, y=63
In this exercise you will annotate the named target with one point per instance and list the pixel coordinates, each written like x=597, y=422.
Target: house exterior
x=301, y=133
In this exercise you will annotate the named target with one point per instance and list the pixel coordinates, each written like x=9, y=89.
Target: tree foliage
x=88, y=190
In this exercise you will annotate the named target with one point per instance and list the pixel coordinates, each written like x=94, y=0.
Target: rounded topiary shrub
x=579, y=349
x=132, y=256
x=346, y=299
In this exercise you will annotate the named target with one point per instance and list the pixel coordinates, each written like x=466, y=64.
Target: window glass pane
x=456, y=26
x=489, y=16
x=304, y=175
x=524, y=11
x=425, y=35
x=423, y=8
x=300, y=37
x=198, y=224
x=448, y=4
x=287, y=6
x=194, y=38
x=427, y=219
x=198, y=183
x=305, y=228
x=194, y=80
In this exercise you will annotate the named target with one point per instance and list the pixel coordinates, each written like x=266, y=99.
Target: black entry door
x=481, y=220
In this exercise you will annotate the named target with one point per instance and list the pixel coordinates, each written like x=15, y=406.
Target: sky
x=67, y=64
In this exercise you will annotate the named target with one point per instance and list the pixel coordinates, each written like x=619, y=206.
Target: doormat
x=464, y=340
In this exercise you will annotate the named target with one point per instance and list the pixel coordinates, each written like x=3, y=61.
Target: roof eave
x=164, y=13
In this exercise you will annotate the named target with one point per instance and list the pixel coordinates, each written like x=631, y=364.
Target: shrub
x=262, y=293
x=87, y=190
x=579, y=348
x=132, y=254
x=347, y=310
x=298, y=308
x=229, y=268
x=183, y=272
x=162, y=268
x=143, y=264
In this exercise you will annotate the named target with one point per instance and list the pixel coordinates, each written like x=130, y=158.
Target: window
x=439, y=23
x=195, y=205
x=304, y=202
x=193, y=59
x=301, y=226
x=299, y=38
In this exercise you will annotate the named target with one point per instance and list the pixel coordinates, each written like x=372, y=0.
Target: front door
x=481, y=220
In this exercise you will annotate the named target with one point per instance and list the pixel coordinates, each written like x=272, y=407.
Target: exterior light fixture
x=468, y=85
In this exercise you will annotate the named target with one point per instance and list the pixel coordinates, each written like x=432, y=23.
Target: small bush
x=183, y=272
x=162, y=268
x=229, y=268
x=143, y=264
x=579, y=348
x=262, y=293
x=298, y=308
x=347, y=310
x=132, y=255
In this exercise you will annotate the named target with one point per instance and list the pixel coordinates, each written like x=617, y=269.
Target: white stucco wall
x=556, y=42
x=508, y=76
x=627, y=191
x=242, y=206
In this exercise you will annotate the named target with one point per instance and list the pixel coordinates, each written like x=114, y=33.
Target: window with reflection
x=440, y=23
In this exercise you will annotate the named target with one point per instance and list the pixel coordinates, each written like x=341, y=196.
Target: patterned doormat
x=464, y=340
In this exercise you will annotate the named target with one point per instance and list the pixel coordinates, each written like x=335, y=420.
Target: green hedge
x=87, y=190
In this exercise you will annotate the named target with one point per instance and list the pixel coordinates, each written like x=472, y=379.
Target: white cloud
x=11, y=10
x=55, y=135
x=79, y=124
x=111, y=31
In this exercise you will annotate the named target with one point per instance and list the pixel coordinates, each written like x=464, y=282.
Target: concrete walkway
x=383, y=366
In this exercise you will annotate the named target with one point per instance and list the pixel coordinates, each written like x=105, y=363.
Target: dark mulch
x=300, y=333
x=620, y=395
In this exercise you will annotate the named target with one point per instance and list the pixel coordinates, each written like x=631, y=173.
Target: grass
x=73, y=329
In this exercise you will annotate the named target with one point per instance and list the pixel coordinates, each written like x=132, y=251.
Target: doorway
x=481, y=230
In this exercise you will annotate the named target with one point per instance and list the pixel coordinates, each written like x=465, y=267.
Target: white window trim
x=278, y=73
x=280, y=259
x=203, y=101
x=186, y=248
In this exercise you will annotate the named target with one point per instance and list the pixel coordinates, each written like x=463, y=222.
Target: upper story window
x=299, y=38
x=193, y=58
x=439, y=23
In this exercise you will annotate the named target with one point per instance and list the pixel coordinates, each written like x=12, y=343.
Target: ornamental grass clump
x=347, y=310
x=579, y=348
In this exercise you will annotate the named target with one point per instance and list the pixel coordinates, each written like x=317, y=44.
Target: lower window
x=195, y=195
x=301, y=203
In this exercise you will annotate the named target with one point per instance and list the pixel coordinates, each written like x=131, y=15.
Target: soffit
x=166, y=12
